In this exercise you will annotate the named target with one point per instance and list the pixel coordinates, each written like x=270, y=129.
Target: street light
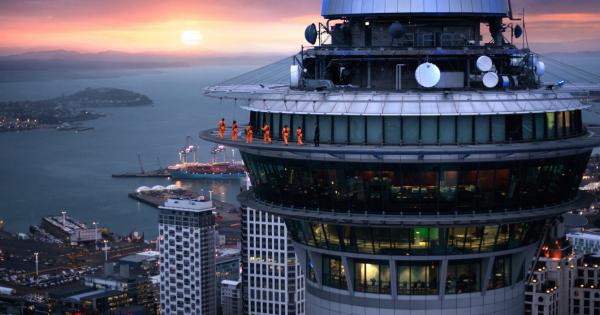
x=37, y=271
x=95, y=234
x=105, y=250
x=64, y=217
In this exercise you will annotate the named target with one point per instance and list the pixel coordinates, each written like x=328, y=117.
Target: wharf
x=162, y=173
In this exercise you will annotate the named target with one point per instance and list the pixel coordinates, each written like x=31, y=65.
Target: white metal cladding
x=279, y=99
x=343, y=8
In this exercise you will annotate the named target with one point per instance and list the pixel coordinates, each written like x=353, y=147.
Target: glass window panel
x=374, y=130
x=501, y=272
x=340, y=129
x=464, y=276
x=410, y=130
x=420, y=240
x=401, y=240
x=332, y=236
x=465, y=129
x=319, y=235
x=490, y=233
x=311, y=274
x=310, y=122
x=382, y=240
x=528, y=127
x=569, y=123
x=482, y=129
x=298, y=123
x=372, y=277
x=357, y=129
x=539, y=126
x=334, y=274
x=498, y=129
x=514, y=127
x=503, y=237
x=364, y=241
x=447, y=130
x=429, y=130
x=392, y=130
x=456, y=240
x=560, y=119
x=417, y=278
x=550, y=125
x=276, y=127
x=325, y=128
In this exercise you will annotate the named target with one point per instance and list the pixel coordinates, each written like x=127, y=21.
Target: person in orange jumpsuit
x=222, y=128
x=234, y=131
x=299, y=136
x=286, y=134
x=249, y=134
x=266, y=133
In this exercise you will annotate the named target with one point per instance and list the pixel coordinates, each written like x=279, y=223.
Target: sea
x=44, y=172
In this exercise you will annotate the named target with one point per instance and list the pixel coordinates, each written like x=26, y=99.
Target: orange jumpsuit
x=266, y=133
x=234, y=132
x=286, y=135
x=249, y=134
x=299, y=135
x=222, y=129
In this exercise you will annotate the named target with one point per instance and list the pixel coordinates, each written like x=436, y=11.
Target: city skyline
x=185, y=27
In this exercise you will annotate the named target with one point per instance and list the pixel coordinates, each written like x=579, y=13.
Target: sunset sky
x=224, y=26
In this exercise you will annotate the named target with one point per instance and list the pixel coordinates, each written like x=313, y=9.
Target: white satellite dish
x=490, y=80
x=428, y=75
x=295, y=74
x=540, y=68
x=485, y=64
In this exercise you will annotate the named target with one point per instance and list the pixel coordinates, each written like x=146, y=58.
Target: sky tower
x=443, y=159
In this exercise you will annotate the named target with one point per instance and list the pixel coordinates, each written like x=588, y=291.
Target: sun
x=191, y=38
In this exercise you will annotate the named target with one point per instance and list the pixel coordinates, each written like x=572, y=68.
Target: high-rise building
x=433, y=163
x=231, y=297
x=587, y=242
x=272, y=279
x=187, y=257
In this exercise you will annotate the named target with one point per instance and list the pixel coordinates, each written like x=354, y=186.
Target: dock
x=162, y=173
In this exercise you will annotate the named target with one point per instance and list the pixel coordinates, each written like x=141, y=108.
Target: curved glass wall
x=428, y=130
x=415, y=240
x=418, y=278
x=414, y=188
x=372, y=277
x=463, y=276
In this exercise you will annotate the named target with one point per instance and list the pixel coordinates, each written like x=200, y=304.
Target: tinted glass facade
x=414, y=188
x=415, y=240
x=418, y=278
x=433, y=130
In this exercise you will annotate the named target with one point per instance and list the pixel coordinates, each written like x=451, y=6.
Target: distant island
x=63, y=111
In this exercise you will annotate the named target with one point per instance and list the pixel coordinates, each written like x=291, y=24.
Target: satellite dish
x=485, y=64
x=428, y=75
x=518, y=31
x=310, y=34
x=490, y=80
x=295, y=74
x=540, y=68
x=396, y=30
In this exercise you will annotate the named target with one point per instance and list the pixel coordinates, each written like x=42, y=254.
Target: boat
x=213, y=170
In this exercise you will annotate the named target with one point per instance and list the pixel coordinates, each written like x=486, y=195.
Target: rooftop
x=350, y=8
x=188, y=205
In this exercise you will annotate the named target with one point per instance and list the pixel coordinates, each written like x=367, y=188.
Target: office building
x=231, y=297
x=187, y=257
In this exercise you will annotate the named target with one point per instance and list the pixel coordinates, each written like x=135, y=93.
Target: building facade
x=434, y=163
x=231, y=297
x=187, y=258
x=272, y=279
x=587, y=242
